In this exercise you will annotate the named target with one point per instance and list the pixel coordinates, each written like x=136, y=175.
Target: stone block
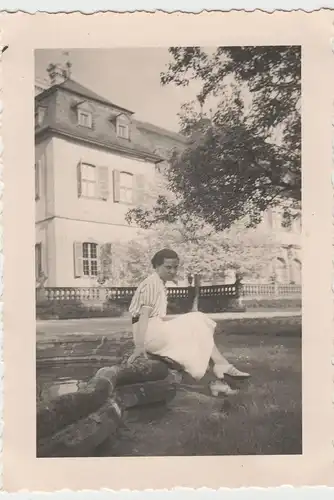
x=68, y=408
x=82, y=437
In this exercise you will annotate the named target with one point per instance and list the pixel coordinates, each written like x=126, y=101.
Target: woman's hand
x=139, y=352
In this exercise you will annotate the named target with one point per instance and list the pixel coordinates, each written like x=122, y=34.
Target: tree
x=244, y=156
x=202, y=250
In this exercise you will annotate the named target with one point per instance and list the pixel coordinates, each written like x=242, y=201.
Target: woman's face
x=168, y=270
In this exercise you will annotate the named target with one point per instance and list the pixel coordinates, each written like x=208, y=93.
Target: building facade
x=94, y=161
x=287, y=267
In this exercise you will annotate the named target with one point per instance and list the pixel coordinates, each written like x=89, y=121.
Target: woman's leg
x=223, y=367
x=219, y=359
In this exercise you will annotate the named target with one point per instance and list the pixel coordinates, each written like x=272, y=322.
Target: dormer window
x=123, y=127
x=85, y=118
x=123, y=130
x=84, y=114
x=39, y=116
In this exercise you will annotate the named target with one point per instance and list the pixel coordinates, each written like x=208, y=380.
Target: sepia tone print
x=168, y=252
x=172, y=190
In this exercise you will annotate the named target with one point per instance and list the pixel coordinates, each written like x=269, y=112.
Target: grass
x=265, y=418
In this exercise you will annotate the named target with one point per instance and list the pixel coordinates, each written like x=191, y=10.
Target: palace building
x=94, y=160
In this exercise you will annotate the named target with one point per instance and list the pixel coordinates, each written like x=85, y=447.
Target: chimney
x=58, y=73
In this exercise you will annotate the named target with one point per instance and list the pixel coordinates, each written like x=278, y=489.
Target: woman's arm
x=139, y=337
x=142, y=326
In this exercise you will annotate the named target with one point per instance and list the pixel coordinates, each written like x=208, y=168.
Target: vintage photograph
x=168, y=251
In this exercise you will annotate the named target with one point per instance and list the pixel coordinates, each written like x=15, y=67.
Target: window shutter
x=38, y=260
x=99, y=256
x=37, y=179
x=116, y=185
x=78, y=265
x=79, y=181
x=139, y=189
x=103, y=182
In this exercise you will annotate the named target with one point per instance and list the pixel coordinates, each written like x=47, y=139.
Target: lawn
x=265, y=418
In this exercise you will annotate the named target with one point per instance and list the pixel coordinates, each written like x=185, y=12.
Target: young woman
x=187, y=339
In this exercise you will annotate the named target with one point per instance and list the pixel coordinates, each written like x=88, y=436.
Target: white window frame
x=87, y=114
x=122, y=124
x=124, y=189
x=85, y=181
x=39, y=115
x=90, y=265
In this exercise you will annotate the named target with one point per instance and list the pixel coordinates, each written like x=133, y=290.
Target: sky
x=127, y=77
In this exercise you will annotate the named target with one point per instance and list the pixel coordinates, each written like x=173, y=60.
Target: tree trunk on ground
x=69, y=408
x=142, y=370
x=81, y=438
x=145, y=393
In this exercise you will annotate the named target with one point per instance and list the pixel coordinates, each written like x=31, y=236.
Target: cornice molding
x=53, y=131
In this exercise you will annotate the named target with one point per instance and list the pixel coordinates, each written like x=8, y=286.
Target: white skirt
x=187, y=339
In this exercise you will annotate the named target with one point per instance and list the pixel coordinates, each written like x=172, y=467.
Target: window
x=38, y=260
x=88, y=180
x=86, y=259
x=37, y=180
x=122, y=127
x=93, y=181
x=129, y=188
x=89, y=259
x=123, y=130
x=281, y=271
x=85, y=118
x=296, y=272
x=39, y=115
x=125, y=187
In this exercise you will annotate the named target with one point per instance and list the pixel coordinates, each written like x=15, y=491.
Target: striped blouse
x=150, y=292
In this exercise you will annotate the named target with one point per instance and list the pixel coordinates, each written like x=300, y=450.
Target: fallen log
x=75, y=424
x=141, y=370
x=145, y=393
x=82, y=437
x=68, y=408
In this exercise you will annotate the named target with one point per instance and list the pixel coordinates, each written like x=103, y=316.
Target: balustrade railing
x=270, y=290
x=92, y=294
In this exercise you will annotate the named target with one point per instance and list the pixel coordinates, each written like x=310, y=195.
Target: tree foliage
x=202, y=250
x=244, y=155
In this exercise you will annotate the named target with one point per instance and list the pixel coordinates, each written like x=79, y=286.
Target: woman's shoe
x=220, y=387
x=232, y=371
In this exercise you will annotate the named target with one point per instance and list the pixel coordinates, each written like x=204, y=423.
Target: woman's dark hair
x=159, y=258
